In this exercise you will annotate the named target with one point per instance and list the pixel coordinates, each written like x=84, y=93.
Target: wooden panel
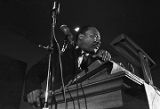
x=134, y=98
x=102, y=101
x=114, y=92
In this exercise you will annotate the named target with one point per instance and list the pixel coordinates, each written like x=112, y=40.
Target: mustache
x=96, y=44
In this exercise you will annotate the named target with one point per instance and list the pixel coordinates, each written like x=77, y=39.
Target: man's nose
x=97, y=41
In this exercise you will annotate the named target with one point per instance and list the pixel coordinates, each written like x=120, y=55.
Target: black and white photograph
x=79, y=54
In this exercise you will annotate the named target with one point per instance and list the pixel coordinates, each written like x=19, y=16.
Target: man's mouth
x=96, y=46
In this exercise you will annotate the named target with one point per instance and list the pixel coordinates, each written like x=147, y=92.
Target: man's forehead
x=93, y=31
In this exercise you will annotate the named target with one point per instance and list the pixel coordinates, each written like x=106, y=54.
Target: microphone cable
x=62, y=80
x=78, y=95
x=71, y=98
x=85, y=99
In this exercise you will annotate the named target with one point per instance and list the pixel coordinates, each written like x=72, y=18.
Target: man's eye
x=92, y=36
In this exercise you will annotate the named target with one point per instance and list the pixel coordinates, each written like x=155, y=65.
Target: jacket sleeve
x=35, y=76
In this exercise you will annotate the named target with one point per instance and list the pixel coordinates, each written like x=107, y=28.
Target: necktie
x=80, y=59
x=83, y=60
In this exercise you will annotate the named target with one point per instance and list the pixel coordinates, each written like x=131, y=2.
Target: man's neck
x=84, y=51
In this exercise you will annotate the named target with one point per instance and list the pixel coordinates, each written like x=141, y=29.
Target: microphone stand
x=52, y=48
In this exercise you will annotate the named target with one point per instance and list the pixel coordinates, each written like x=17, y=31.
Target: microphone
x=56, y=7
x=68, y=37
x=67, y=32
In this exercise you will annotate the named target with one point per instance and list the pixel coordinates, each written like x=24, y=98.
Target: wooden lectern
x=118, y=90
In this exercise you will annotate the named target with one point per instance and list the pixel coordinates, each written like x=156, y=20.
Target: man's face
x=90, y=41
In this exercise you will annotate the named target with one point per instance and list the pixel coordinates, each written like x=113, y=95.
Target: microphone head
x=65, y=29
x=56, y=7
x=67, y=32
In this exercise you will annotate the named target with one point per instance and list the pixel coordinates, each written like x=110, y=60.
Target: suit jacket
x=38, y=72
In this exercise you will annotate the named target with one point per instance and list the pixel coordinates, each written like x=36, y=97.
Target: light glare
x=76, y=29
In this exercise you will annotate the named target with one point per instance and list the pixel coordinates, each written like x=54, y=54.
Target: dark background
x=26, y=23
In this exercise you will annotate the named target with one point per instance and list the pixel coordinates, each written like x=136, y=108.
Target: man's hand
x=37, y=98
x=104, y=55
x=34, y=98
